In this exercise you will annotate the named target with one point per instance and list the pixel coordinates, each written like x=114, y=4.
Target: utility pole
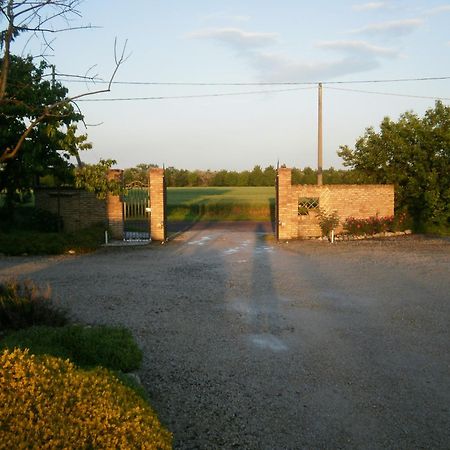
x=319, y=138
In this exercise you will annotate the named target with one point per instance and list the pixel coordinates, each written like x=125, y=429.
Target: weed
x=24, y=305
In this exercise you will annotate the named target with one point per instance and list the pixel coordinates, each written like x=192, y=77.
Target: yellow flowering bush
x=47, y=403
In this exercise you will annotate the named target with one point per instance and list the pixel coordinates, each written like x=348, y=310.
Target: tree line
x=258, y=176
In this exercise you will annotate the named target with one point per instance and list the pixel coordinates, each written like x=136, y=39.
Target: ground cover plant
x=50, y=369
x=110, y=347
x=30, y=242
x=47, y=402
x=221, y=203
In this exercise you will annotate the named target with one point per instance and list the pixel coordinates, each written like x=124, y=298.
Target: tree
x=48, y=145
x=414, y=154
x=94, y=178
x=138, y=173
x=39, y=18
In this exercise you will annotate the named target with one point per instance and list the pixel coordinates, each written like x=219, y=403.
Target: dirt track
x=258, y=345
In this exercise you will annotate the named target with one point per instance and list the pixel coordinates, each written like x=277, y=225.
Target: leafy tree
x=414, y=154
x=270, y=175
x=138, y=173
x=39, y=18
x=49, y=144
x=94, y=178
x=256, y=177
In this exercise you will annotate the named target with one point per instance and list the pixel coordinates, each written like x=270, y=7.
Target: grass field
x=221, y=203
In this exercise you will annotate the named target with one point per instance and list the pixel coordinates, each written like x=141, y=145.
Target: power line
x=388, y=93
x=175, y=97
x=76, y=79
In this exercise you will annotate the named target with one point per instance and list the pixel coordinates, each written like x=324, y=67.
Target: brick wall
x=114, y=207
x=361, y=201
x=79, y=209
x=158, y=205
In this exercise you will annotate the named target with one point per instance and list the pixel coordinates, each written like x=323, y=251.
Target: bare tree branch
x=11, y=152
x=35, y=16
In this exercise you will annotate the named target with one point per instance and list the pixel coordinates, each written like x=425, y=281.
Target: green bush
x=45, y=221
x=24, y=305
x=328, y=221
x=39, y=243
x=46, y=402
x=110, y=347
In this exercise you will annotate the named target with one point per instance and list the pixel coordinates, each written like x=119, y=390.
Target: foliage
x=45, y=221
x=138, y=173
x=38, y=243
x=414, y=154
x=328, y=221
x=255, y=177
x=94, y=178
x=24, y=305
x=46, y=402
x=50, y=144
x=373, y=225
x=110, y=347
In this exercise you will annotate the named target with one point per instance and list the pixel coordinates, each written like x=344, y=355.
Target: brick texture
x=78, y=209
x=115, y=208
x=353, y=200
x=158, y=204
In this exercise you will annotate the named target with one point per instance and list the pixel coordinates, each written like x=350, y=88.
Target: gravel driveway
x=251, y=344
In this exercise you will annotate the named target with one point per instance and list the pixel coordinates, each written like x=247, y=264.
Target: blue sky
x=251, y=41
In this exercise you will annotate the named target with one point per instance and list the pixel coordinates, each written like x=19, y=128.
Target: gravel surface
x=253, y=344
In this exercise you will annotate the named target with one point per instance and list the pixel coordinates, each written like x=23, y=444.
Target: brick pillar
x=158, y=205
x=286, y=223
x=114, y=207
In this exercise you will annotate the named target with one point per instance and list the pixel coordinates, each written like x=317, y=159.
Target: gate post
x=285, y=222
x=114, y=207
x=157, y=197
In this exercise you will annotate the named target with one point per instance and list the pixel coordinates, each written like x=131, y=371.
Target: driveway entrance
x=251, y=344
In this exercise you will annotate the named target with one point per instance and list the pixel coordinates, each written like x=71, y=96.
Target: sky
x=249, y=41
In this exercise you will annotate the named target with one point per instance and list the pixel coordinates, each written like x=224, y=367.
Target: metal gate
x=136, y=212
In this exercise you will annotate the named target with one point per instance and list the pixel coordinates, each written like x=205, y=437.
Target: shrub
x=39, y=243
x=46, y=402
x=110, y=347
x=375, y=224
x=45, y=221
x=24, y=305
x=327, y=221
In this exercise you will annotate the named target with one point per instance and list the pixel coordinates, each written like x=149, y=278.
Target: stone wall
x=78, y=209
x=360, y=201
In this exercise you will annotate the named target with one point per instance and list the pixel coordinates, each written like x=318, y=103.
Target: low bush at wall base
x=24, y=242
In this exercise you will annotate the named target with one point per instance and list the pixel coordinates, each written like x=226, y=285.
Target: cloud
x=361, y=48
x=437, y=10
x=393, y=27
x=224, y=16
x=369, y=6
x=277, y=68
x=236, y=38
x=358, y=55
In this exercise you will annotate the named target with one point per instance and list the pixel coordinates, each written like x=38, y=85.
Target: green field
x=221, y=203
